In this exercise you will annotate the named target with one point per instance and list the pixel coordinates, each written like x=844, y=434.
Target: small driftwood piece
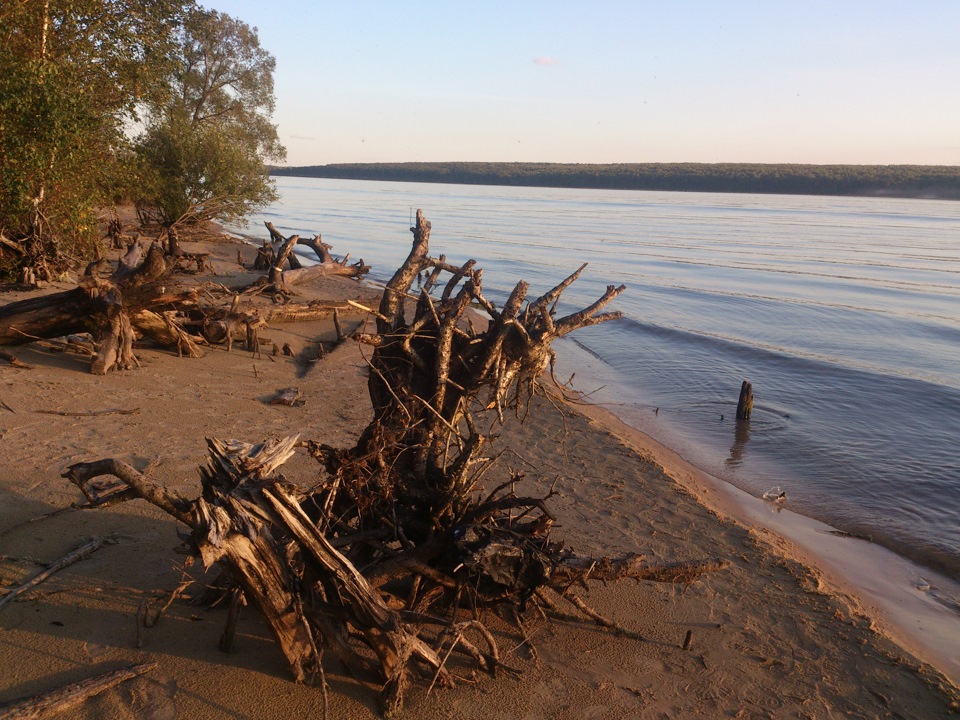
x=14, y=360
x=79, y=554
x=88, y=413
x=59, y=701
x=290, y=397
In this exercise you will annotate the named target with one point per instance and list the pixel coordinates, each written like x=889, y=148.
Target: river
x=844, y=314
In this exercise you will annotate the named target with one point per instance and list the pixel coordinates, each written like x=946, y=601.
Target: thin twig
x=151, y=621
x=45, y=516
x=369, y=310
x=444, y=661
x=88, y=413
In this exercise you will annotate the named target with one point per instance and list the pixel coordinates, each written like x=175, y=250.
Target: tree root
x=401, y=533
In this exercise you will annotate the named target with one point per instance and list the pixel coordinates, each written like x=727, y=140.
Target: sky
x=606, y=81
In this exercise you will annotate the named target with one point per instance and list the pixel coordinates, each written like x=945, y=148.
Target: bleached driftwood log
x=281, y=279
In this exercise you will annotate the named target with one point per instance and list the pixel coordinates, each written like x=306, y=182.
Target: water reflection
x=740, y=437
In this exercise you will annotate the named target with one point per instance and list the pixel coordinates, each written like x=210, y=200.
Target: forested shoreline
x=908, y=181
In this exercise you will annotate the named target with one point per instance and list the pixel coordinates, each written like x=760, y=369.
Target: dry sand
x=770, y=639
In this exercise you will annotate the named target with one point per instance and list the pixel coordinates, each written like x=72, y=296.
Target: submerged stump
x=745, y=403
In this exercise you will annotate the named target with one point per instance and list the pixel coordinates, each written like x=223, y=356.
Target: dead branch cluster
x=391, y=561
x=142, y=296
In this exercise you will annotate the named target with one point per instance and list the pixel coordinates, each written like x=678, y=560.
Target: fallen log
x=165, y=330
x=111, y=308
x=326, y=269
x=46, y=316
x=283, y=251
x=315, y=243
x=59, y=701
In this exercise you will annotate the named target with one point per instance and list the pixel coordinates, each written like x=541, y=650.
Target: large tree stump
x=388, y=550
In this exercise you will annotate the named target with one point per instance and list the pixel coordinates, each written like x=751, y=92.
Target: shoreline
x=925, y=622
x=768, y=638
x=921, y=621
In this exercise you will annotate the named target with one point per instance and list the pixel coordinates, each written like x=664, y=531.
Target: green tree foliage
x=203, y=151
x=72, y=73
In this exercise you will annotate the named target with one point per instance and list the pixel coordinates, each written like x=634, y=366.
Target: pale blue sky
x=603, y=81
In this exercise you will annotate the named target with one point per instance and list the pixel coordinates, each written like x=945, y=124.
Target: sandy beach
x=771, y=637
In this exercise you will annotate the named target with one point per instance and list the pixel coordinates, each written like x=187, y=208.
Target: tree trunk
x=302, y=275
x=47, y=316
x=110, y=308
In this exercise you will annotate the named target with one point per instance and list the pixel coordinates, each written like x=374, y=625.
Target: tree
x=203, y=151
x=65, y=96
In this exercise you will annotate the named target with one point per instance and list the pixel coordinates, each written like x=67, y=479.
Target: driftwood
x=385, y=562
x=113, y=308
x=234, y=324
x=75, y=555
x=315, y=243
x=265, y=257
x=342, y=269
x=290, y=397
x=14, y=360
x=282, y=253
x=141, y=298
x=59, y=701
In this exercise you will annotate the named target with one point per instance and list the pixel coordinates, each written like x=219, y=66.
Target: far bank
x=937, y=182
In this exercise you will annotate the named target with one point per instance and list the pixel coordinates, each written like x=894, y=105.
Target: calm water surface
x=844, y=313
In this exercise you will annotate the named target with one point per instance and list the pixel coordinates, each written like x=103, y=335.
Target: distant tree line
x=916, y=181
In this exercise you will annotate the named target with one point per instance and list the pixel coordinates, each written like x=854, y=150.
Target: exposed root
x=401, y=532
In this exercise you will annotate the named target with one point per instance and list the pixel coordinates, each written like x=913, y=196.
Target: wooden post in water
x=745, y=404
